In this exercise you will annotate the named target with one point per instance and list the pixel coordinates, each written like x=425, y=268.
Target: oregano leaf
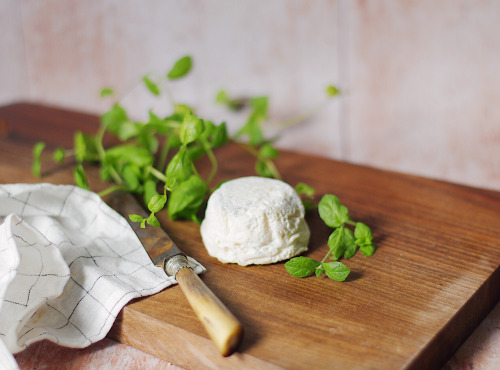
x=151, y=86
x=301, y=266
x=37, y=159
x=80, y=177
x=157, y=203
x=180, y=68
x=191, y=129
x=349, y=243
x=152, y=220
x=336, y=270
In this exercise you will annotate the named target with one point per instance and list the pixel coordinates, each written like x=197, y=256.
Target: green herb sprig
x=157, y=159
x=342, y=242
x=161, y=152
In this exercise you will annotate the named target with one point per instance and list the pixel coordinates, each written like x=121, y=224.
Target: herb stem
x=102, y=154
x=337, y=241
x=247, y=147
x=211, y=157
x=326, y=255
x=270, y=164
x=295, y=120
x=163, y=155
x=98, y=141
x=273, y=169
x=169, y=95
x=159, y=175
x=69, y=153
x=111, y=189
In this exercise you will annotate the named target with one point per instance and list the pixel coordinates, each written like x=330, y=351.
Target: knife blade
x=221, y=325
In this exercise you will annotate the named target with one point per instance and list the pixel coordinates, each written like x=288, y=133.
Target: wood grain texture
x=434, y=276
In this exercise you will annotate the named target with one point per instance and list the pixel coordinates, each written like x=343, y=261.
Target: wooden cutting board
x=434, y=277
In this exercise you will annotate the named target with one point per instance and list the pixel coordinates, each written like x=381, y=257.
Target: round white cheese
x=254, y=220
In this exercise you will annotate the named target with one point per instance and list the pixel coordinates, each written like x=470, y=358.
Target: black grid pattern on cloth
x=104, y=276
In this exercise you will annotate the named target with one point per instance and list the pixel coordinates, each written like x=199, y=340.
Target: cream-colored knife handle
x=222, y=327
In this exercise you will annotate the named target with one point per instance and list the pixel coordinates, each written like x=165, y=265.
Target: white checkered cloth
x=68, y=265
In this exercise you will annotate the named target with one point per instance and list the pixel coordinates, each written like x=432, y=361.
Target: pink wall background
x=420, y=82
x=420, y=79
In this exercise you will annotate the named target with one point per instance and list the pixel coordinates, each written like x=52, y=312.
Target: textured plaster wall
x=420, y=79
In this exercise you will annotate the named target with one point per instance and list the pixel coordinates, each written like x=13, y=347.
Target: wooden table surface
x=434, y=277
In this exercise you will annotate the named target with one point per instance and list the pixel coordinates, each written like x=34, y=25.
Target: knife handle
x=222, y=327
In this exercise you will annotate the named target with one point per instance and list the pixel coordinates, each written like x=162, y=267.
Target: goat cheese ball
x=254, y=220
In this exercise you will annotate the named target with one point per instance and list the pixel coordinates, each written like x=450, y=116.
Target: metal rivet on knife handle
x=221, y=325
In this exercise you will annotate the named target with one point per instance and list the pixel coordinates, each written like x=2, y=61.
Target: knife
x=221, y=325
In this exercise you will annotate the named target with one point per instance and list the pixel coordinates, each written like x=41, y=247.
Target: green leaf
x=138, y=218
x=332, y=212
x=223, y=98
x=363, y=234
x=262, y=169
x=252, y=128
x=80, y=177
x=135, y=218
x=220, y=136
x=191, y=129
x=149, y=188
x=268, y=151
x=319, y=270
x=336, y=270
x=173, y=142
x=157, y=203
x=113, y=118
x=152, y=87
x=336, y=243
x=304, y=189
x=58, y=155
x=116, y=121
x=85, y=147
x=208, y=129
x=195, y=152
x=128, y=153
x=301, y=266
x=254, y=132
x=179, y=168
x=106, y=91
x=156, y=124
x=187, y=198
x=260, y=106
x=332, y=91
x=367, y=249
x=349, y=243
x=37, y=159
x=148, y=140
x=105, y=172
x=127, y=130
x=131, y=176
x=183, y=109
x=180, y=68
x=364, y=239
x=153, y=221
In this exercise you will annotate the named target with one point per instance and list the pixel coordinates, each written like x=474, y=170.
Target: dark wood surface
x=434, y=277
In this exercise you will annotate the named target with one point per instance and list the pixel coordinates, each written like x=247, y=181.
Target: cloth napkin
x=68, y=265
